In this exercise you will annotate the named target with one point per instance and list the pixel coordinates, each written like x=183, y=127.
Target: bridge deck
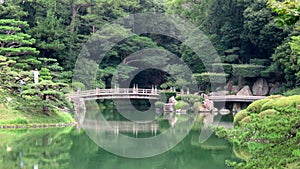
x=234, y=98
x=118, y=93
x=153, y=94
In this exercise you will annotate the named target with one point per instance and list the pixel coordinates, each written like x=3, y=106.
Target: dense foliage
x=266, y=128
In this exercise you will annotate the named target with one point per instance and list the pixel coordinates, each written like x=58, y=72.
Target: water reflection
x=68, y=149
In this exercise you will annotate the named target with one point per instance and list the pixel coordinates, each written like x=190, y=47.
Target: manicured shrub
x=182, y=105
x=281, y=102
x=191, y=98
x=247, y=70
x=268, y=112
x=240, y=116
x=197, y=106
x=245, y=120
x=159, y=104
x=274, y=96
x=256, y=106
x=165, y=95
x=262, y=62
x=204, y=78
x=222, y=68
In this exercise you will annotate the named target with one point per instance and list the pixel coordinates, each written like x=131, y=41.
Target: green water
x=65, y=148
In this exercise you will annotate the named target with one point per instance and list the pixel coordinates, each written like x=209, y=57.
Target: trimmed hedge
x=262, y=62
x=222, y=68
x=268, y=112
x=255, y=107
x=182, y=105
x=282, y=102
x=210, y=77
x=190, y=98
x=247, y=70
x=239, y=117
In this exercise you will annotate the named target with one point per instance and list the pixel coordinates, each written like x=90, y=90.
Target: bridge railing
x=115, y=91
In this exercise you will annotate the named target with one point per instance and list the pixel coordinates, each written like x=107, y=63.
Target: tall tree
x=16, y=44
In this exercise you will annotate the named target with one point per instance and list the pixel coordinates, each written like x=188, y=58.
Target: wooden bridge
x=236, y=99
x=116, y=93
x=152, y=94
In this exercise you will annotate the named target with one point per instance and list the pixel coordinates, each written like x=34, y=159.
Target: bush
x=268, y=112
x=256, y=106
x=222, y=68
x=182, y=105
x=247, y=70
x=262, y=62
x=159, y=104
x=240, y=116
x=165, y=95
x=245, y=120
x=197, y=106
x=281, y=102
x=292, y=92
x=210, y=77
x=191, y=98
x=78, y=86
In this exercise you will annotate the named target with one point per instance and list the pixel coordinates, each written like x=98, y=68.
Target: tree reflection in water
x=65, y=148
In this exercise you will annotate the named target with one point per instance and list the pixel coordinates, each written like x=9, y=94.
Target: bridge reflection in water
x=121, y=126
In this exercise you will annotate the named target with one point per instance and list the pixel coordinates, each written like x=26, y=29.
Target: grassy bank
x=8, y=116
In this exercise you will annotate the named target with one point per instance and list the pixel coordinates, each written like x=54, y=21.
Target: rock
x=236, y=107
x=274, y=87
x=224, y=111
x=204, y=95
x=235, y=89
x=245, y=91
x=260, y=87
x=172, y=100
x=229, y=86
x=169, y=107
x=207, y=104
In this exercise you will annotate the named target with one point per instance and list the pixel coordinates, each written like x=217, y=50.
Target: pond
x=69, y=148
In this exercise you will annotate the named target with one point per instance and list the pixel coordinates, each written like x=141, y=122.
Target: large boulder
x=229, y=85
x=172, y=100
x=208, y=104
x=245, y=91
x=260, y=87
x=274, y=87
x=236, y=107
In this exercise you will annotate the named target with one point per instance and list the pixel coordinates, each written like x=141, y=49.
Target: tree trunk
x=74, y=15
